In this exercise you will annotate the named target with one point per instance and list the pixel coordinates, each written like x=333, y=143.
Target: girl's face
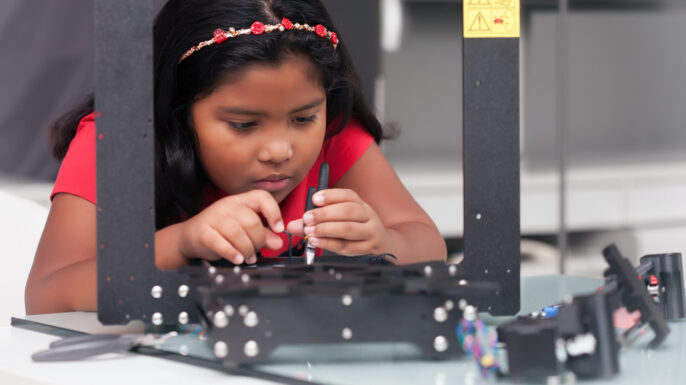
x=263, y=129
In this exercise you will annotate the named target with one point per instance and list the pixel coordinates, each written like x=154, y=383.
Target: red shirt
x=77, y=172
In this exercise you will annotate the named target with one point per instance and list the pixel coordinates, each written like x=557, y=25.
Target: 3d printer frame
x=131, y=287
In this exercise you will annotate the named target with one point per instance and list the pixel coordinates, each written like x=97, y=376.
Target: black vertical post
x=491, y=157
x=129, y=284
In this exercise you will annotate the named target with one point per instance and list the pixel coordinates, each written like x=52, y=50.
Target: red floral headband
x=257, y=28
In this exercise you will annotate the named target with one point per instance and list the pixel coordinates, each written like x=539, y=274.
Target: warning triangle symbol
x=479, y=2
x=480, y=23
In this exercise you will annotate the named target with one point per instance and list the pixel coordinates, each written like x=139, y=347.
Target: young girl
x=251, y=96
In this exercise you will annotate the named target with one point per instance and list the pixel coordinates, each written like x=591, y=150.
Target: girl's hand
x=232, y=229
x=342, y=223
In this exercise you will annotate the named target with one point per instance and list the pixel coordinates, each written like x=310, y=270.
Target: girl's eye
x=244, y=127
x=303, y=120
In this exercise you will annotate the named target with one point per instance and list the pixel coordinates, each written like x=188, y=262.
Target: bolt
x=347, y=299
x=220, y=319
x=452, y=269
x=440, y=344
x=250, y=320
x=183, y=318
x=347, y=334
x=221, y=349
x=251, y=349
x=183, y=291
x=156, y=292
x=428, y=270
x=157, y=319
x=440, y=315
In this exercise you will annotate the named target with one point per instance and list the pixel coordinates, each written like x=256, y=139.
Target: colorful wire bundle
x=476, y=340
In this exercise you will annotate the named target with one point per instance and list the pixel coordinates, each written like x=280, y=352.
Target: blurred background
x=603, y=108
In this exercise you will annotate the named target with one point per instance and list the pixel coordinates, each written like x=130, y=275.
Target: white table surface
x=16, y=367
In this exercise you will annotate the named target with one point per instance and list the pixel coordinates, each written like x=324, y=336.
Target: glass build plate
x=386, y=363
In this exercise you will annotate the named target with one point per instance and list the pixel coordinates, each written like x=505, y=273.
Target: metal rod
x=562, y=126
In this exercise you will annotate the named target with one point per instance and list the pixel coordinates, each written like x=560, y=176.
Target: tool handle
x=309, y=204
x=82, y=339
x=85, y=349
x=323, y=177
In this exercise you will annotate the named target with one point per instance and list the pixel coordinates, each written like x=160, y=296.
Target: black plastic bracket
x=491, y=167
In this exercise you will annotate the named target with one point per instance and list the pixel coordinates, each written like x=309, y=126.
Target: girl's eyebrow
x=243, y=111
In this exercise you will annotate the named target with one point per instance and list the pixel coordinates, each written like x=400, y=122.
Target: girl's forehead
x=294, y=67
x=289, y=81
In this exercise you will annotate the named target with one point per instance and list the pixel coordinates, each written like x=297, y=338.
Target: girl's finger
x=350, y=231
x=339, y=246
x=272, y=241
x=235, y=234
x=219, y=247
x=335, y=195
x=345, y=211
x=264, y=203
x=296, y=227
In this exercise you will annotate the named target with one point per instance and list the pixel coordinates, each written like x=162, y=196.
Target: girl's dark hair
x=179, y=176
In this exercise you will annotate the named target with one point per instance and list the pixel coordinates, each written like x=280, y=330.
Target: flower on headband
x=219, y=35
x=286, y=23
x=257, y=28
x=320, y=30
x=334, y=38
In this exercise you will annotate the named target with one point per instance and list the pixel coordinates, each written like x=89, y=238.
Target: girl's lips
x=273, y=184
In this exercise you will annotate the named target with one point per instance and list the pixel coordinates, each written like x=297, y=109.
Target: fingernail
x=238, y=259
x=279, y=227
x=308, y=218
x=313, y=240
x=318, y=199
x=252, y=260
x=309, y=230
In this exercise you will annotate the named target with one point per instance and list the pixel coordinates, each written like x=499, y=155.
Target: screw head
x=156, y=291
x=183, y=291
x=220, y=319
x=243, y=310
x=469, y=313
x=228, y=309
x=251, y=349
x=347, y=299
x=440, y=314
x=251, y=320
x=183, y=318
x=452, y=269
x=449, y=305
x=462, y=282
x=245, y=279
x=440, y=344
x=212, y=269
x=428, y=270
x=219, y=278
x=236, y=270
x=346, y=333
x=220, y=349
x=157, y=319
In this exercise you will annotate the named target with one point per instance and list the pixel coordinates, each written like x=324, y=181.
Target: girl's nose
x=276, y=151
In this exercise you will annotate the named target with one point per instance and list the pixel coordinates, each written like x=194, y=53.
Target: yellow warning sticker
x=491, y=18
